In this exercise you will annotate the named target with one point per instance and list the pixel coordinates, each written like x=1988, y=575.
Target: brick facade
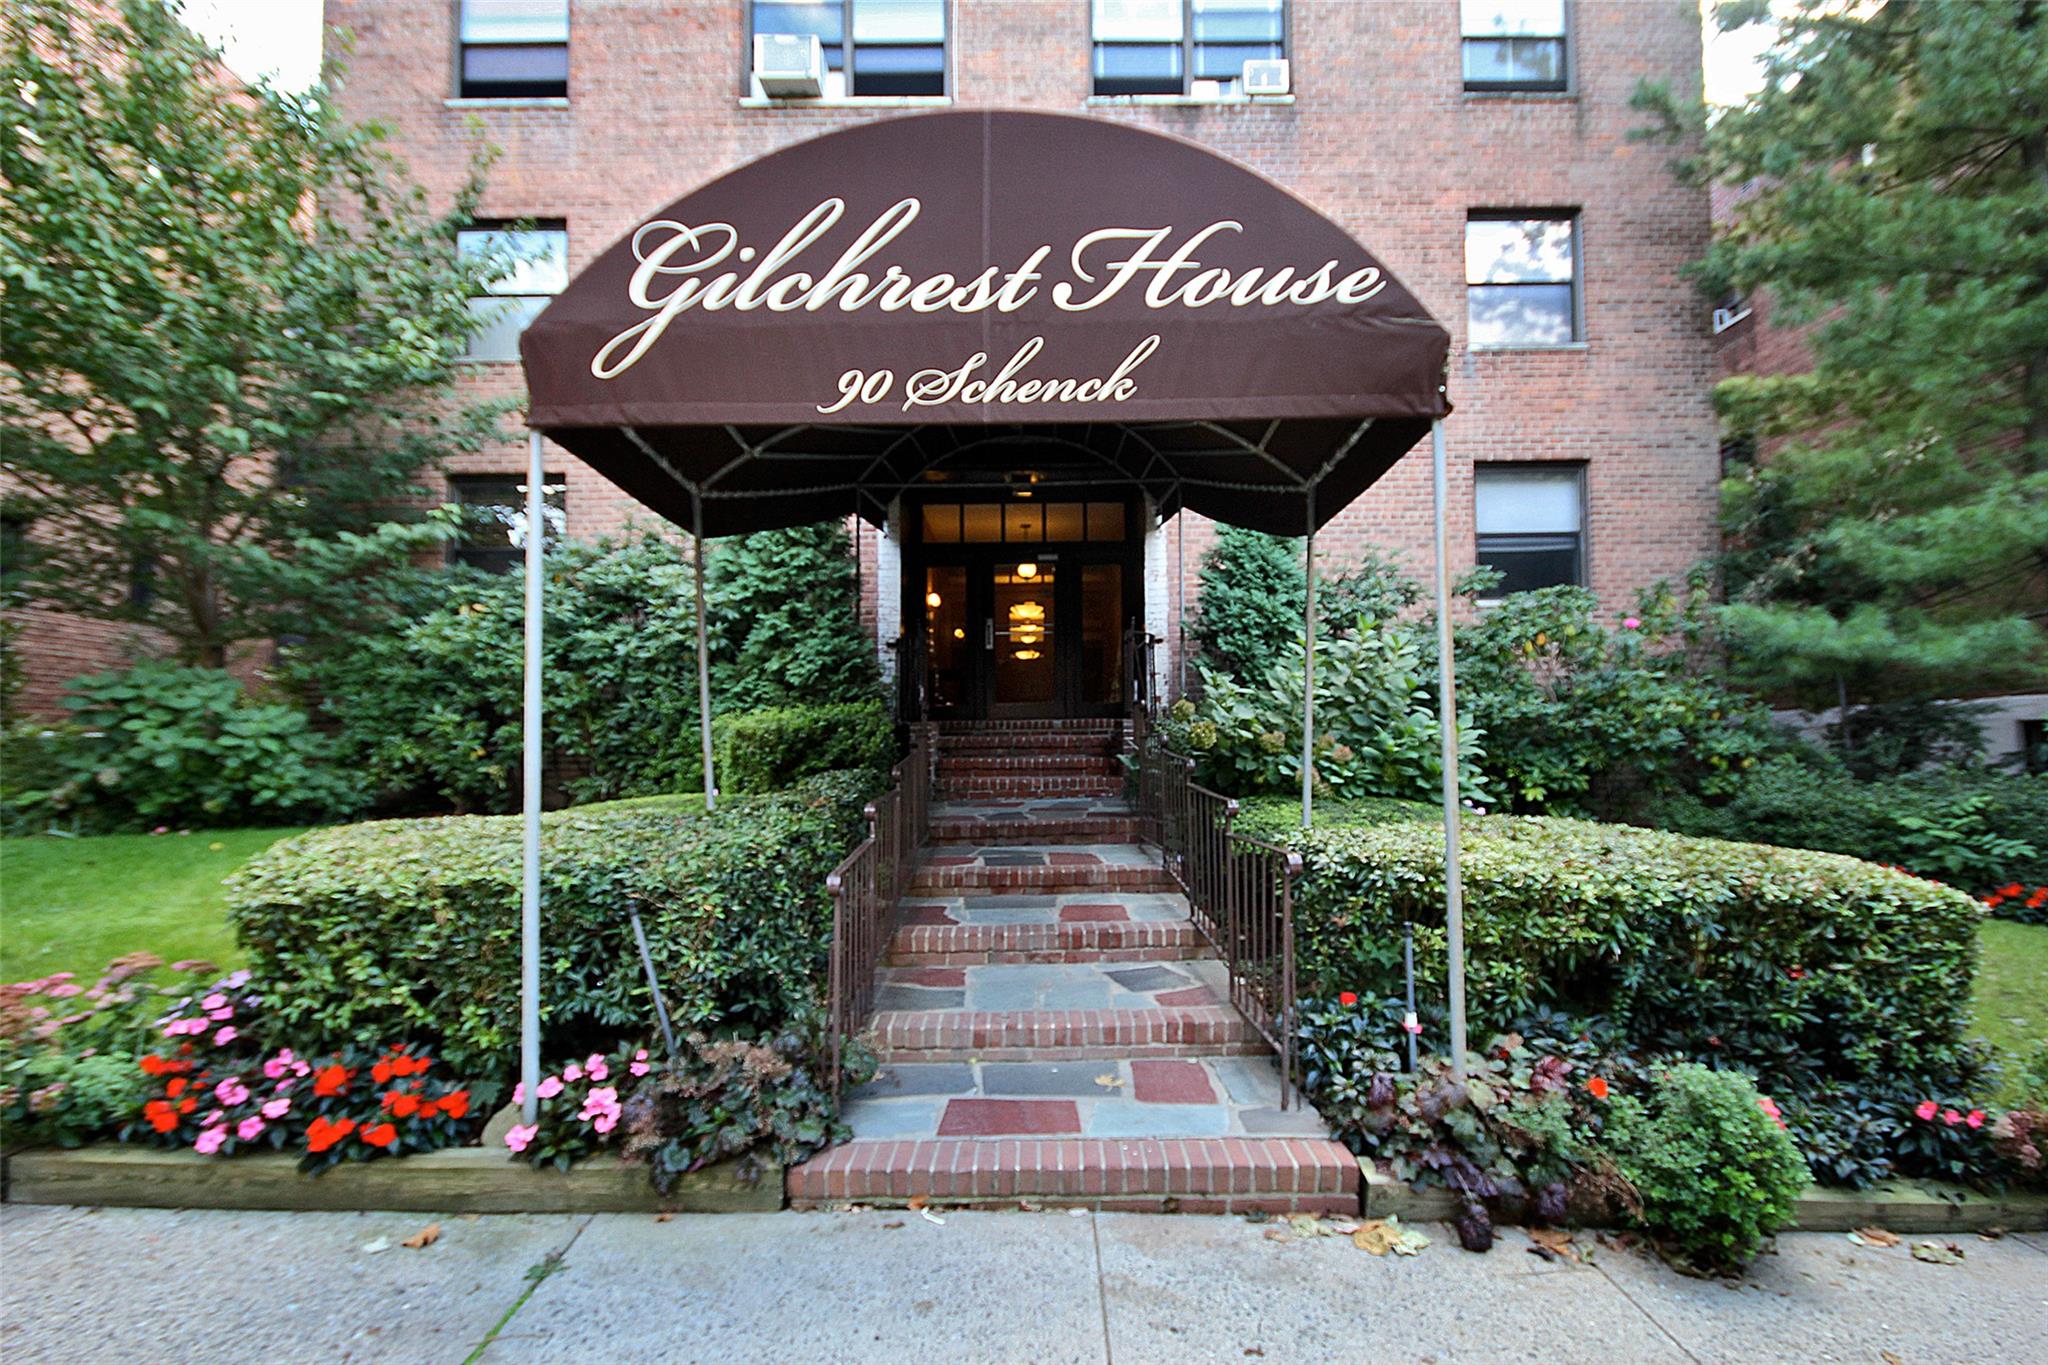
x=1380, y=136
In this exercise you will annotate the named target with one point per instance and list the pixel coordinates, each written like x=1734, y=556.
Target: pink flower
x=231, y=1091
x=277, y=1109
x=1976, y=1118
x=1926, y=1109
x=519, y=1093
x=249, y=1128
x=1951, y=1117
x=603, y=1122
x=214, y=1001
x=225, y=1012
x=549, y=1087
x=166, y=829
x=225, y=1035
x=595, y=1068
x=278, y=1065
x=638, y=1066
x=602, y=1100
x=520, y=1134
x=182, y=1026
x=572, y=1072
x=234, y=981
x=64, y=990
x=1631, y=623
x=1771, y=1110
x=208, y=1142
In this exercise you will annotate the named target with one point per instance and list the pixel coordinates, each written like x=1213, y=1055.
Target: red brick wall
x=1380, y=137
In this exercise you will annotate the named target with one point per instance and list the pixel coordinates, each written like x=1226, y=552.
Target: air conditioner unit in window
x=1268, y=77
x=789, y=65
x=1724, y=318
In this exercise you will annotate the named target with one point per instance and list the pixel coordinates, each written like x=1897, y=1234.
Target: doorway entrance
x=1024, y=603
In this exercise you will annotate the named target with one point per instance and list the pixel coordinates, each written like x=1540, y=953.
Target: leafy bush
x=1713, y=1166
x=1976, y=827
x=576, y=1108
x=1787, y=961
x=781, y=607
x=162, y=744
x=410, y=929
x=1253, y=593
x=762, y=751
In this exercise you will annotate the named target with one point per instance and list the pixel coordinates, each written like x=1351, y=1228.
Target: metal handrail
x=867, y=889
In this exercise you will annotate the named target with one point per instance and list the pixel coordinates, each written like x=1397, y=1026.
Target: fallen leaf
x=1376, y=1235
x=1938, y=1253
x=1554, y=1243
x=1109, y=1080
x=1890, y=1359
x=893, y=1223
x=372, y=1248
x=425, y=1237
x=1874, y=1237
x=1307, y=1225
x=1990, y=1234
x=918, y=1201
x=1343, y=1228
x=663, y=1217
x=1253, y=1351
x=1279, y=1235
x=1030, y=1205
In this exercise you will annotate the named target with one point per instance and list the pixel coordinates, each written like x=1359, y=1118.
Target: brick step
x=934, y=877
x=1091, y=725
x=1026, y=786
x=966, y=945
x=947, y=1035
x=1175, y=1175
x=1030, y=765
x=961, y=832
x=1027, y=742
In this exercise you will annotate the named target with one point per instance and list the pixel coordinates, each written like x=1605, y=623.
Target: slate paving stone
x=1046, y=1078
x=917, y=1078
x=1250, y=1080
x=1128, y=1118
x=1147, y=979
x=1000, y=1118
x=890, y=1118
x=1283, y=1122
x=1009, y=902
x=918, y=998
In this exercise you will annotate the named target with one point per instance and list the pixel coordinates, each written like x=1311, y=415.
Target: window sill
x=1188, y=101
x=1515, y=347
x=1522, y=96
x=848, y=102
x=506, y=102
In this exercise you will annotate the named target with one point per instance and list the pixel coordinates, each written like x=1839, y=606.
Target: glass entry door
x=1025, y=625
x=1019, y=639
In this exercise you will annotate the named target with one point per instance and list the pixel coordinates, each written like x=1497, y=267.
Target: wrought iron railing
x=1240, y=892
x=868, y=886
x=1140, y=683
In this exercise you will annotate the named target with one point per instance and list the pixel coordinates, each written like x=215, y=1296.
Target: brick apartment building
x=1480, y=151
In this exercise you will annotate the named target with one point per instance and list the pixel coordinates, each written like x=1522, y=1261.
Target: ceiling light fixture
x=1027, y=570
x=933, y=600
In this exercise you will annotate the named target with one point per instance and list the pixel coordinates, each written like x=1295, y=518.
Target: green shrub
x=1977, y=828
x=1785, y=961
x=162, y=744
x=1278, y=818
x=410, y=929
x=762, y=751
x=1714, y=1168
x=1253, y=591
x=784, y=629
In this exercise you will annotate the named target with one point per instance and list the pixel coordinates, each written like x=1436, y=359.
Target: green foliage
x=1977, y=828
x=410, y=929
x=232, y=331
x=1583, y=717
x=68, y=1052
x=160, y=744
x=1890, y=538
x=766, y=1100
x=782, y=615
x=1376, y=727
x=1789, y=961
x=763, y=751
x=1278, y=818
x=1253, y=592
x=1716, y=1173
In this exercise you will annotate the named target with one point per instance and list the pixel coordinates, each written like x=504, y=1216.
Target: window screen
x=514, y=48
x=1514, y=44
x=1531, y=525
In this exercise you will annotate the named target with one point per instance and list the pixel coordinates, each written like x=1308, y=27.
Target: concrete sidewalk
x=79, y=1285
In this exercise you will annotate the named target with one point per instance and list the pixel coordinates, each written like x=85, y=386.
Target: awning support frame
x=1447, y=729
x=530, y=797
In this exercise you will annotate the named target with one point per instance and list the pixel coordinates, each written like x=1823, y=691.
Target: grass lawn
x=2011, y=999
x=75, y=904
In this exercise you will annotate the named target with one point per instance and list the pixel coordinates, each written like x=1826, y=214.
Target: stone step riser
x=1024, y=788
x=958, y=835
x=966, y=945
x=1189, y=1030
x=1026, y=744
x=950, y=728
x=1035, y=766
x=1196, y=1175
x=996, y=881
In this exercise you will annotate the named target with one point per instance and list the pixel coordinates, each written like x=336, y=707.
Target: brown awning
x=956, y=295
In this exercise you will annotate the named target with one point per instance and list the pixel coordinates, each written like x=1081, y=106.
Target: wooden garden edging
x=457, y=1180
x=1900, y=1207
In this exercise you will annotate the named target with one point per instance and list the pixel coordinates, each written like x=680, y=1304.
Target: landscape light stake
x=529, y=881
x=1447, y=702
x=668, y=1032
x=1410, y=1024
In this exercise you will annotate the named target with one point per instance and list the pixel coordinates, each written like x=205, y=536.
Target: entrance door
x=1019, y=632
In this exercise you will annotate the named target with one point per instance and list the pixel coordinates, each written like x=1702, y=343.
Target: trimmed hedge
x=410, y=928
x=766, y=750
x=1778, y=959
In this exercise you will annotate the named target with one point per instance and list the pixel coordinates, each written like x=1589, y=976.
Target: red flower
x=1796, y=973
x=1975, y=1118
x=1347, y=997
x=188, y=1104
x=455, y=1104
x=1951, y=1117
x=382, y=1072
x=330, y=1080
x=2011, y=889
x=1597, y=1087
x=401, y=1105
x=174, y=1087
x=153, y=1065
x=323, y=1132
x=2038, y=899
x=161, y=1116
x=380, y=1135
x=426, y=1109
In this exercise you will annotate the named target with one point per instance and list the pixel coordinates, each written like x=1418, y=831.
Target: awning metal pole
x=1447, y=698
x=529, y=883
x=1308, y=673
x=703, y=654
x=1180, y=609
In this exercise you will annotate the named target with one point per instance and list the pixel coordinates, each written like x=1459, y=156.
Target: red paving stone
x=1074, y=859
x=927, y=914
x=991, y=1118
x=948, y=860
x=1193, y=995
x=1161, y=1082
x=1082, y=914
x=929, y=976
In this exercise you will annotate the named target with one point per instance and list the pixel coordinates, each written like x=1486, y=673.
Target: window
x=1514, y=44
x=1521, y=280
x=514, y=49
x=1021, y=522
x=494, y=520
x=1531, y=524
x=1184, y=47
x=536, y=268
x=890, y=47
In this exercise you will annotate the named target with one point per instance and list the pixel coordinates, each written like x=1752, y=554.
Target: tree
x=1253, y=592
x=1891, y=540
x=781, y=617
x=231, y=332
